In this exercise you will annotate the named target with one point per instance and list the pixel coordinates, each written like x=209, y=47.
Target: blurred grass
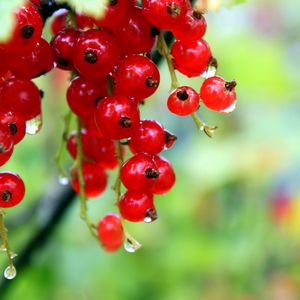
x=217, y=237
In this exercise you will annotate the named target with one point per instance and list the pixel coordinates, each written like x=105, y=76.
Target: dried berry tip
x=62, y=61
x=173, y=9
x=182, y=95
x=151, y=173
x=6, y=196
x=151, y=214
x=125, y=122
x=150, y=82
x=197, y=15
x=27, y=31
x=13, y=128
x=90, y=57
x=230, y=85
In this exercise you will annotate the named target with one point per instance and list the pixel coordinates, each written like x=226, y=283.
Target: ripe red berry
x=63, y=44
x=12, y=189
x=95, y=149
x=164, y=14
x=137, y=206
x=150, y=137
x=191, y=58
x=183, y=101
x=32, y=64
x=117, y=117
x=96, y=53
x=58, y=21
x=136, y=77
x=84, y=94
x=166, y=178
x=135, y=34
x=191, y=28
x=15, y=122
x=114, y=12
x=110, y=232
x=218, y=94
x=27, y=31
x=94, y=177
x=139, y=172
x=5, y=156
x=21, y=96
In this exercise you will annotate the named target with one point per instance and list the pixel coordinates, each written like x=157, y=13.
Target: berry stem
x=4, y=238
x=59, y=155
x=163, y=49
x=120, y=158
x=83, y=199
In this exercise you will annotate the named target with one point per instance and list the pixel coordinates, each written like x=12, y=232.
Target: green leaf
x=7, y=20
x=93, y=8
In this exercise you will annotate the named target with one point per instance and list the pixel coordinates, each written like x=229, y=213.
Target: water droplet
x=2, y=248
x=151, y=215
x=63, y=180
x=131, y=245
x=13, y=255
x=10, y=272
x=211, y=69
x=229, y=109
x=34, y=125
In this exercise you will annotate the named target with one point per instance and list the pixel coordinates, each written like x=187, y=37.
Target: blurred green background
x=230, y=228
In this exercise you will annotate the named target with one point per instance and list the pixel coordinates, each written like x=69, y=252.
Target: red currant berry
x=96, y=53
x=183, y=101
x=27, y=31
x=191, y=28
x=139, y=172
x=63, y=44
x=15, y=122
x=58, y=21
x=164, y=14
x=6, y=140
x=21, y=96
x=149, y=137
x=117, y=117
x=136, y=77
x=12, y=189
x=166, y=178
x=110, y=232
x=32, y=64
x=90, y=125
x=191, y=58
x=94, y=177
x=84, y=94
x=5, y=156
x=135, y=34
x=115, y=11
x=218, y=94
x=137, y=206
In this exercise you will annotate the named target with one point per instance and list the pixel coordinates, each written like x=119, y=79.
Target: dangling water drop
x=34, y=125
x=211, y=69
x=63, y=180
x=229, y=109
x=10, y=272
x=3, y=248
x=12, y=255
x=131, y=245
x=151, y=215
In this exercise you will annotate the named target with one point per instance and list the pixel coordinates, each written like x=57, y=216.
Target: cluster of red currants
x=112, y=74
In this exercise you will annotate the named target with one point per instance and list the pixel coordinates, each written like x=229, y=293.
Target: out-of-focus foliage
x=7, y=17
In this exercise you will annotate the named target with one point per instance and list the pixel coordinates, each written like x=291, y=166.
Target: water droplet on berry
x=3, y=248
x=229, y=109
x=10, y=272
x=63, y=180
x=211, y=69
x=150, y=216
x=131, y=245
x=34, y=125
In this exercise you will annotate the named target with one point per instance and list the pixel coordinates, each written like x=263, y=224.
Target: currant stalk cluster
x=112, y=74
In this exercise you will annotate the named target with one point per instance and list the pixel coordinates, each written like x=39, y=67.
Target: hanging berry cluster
x=112, y=73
